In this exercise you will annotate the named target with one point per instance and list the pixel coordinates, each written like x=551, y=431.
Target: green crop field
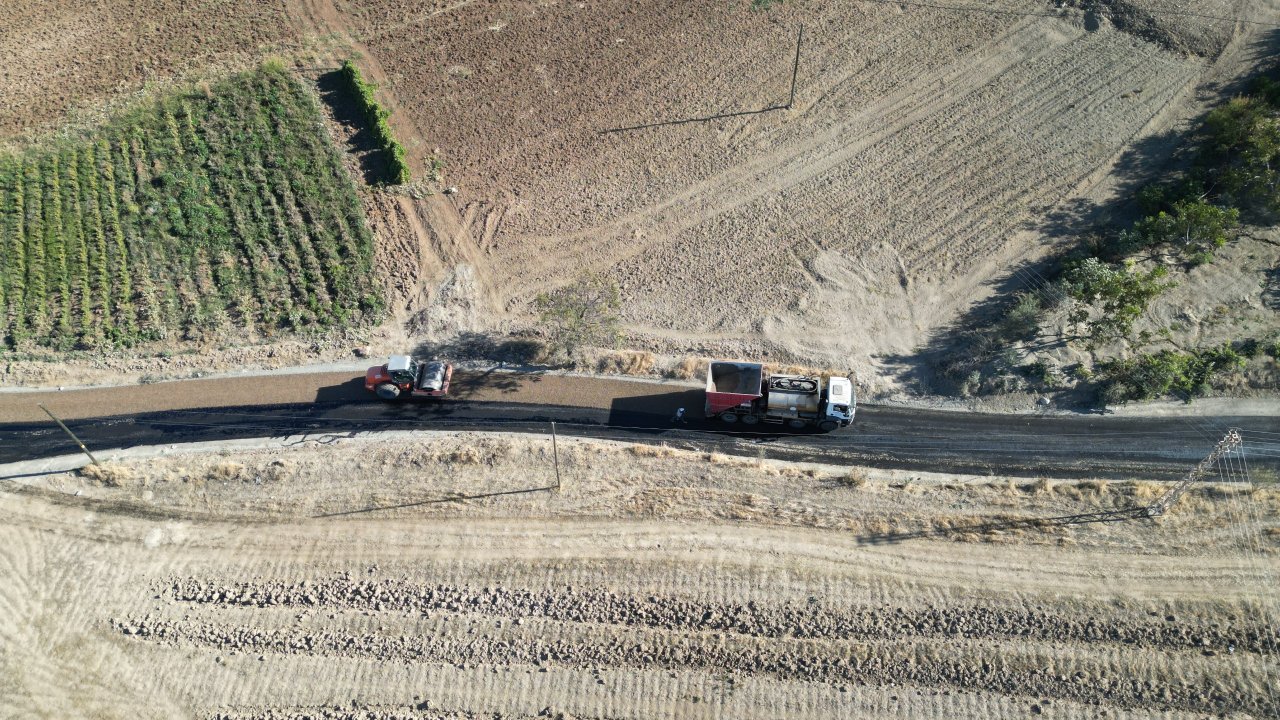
x=224, y=210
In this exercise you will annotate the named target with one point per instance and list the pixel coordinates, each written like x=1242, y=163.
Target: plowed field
x=924, y=149
x=344, y=582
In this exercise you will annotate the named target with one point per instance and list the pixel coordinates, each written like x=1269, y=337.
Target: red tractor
x=403, y=377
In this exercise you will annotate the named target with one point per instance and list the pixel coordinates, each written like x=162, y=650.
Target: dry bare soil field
x=924, y=153
x=351, y=581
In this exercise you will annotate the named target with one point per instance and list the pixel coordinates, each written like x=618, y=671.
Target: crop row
x=192, y=216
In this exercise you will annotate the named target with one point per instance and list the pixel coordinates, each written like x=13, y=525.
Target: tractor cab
x=402, y=369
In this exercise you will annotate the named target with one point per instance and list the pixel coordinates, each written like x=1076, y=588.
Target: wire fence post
x=555, y=454
x=67, y=430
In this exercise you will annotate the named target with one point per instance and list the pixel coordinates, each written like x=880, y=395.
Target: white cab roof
x=840, y=391
x=399, y=362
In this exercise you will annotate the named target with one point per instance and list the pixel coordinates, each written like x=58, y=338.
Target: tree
x=1193, y=228
x=580, y=315
x=1244, y=145
x=1109, y=298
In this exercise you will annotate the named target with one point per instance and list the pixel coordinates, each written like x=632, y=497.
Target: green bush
x=1194, y=229
x=1109, y=298
x=1153, y=375
x=1242, y=146
x=1023, y=319
x=375, y=117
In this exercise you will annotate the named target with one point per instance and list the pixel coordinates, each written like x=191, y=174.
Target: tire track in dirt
x=374, y=713
x=1020, y=669
x=594, y=605
x=441, y=238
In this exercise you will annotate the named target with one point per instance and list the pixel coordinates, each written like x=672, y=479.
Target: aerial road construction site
x=448, y=360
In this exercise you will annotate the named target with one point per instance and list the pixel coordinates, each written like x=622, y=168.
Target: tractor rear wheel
x=388, y=391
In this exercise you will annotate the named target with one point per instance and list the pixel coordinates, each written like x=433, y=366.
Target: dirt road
x=1073, y=446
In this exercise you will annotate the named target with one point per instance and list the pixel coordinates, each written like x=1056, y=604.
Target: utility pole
x=67, y=430
x=1229, y=442
x=555, y=453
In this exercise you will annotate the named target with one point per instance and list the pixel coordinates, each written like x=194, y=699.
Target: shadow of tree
x=1271, y=293
x=506, y=351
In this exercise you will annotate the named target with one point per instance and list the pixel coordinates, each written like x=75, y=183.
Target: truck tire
x=388, y=391
x=729, y=417
x=828, y=425
x=797, y=424
x=750, y=419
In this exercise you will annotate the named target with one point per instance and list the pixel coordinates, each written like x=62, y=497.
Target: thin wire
x=1267, y=608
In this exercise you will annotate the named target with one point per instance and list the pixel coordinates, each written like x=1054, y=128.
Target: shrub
x=584, y=313
x=1024, y=317
x=1152, y=375
x=376, y=117
x=1241, y=149
x=1109, y=298
x=1192, y=228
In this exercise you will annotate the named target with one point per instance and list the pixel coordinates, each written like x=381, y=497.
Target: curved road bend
x=324, y=404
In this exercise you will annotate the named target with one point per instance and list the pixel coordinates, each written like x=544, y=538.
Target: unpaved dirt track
x=114, y=616
x=288, y=406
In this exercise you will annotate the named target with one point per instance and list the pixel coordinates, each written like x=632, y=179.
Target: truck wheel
x=729, y=417
x=750, y=419
x=388, y=391
x=797, y=424
x=828, y=425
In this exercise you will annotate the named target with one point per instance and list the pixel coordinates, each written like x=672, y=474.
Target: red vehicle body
x=404, y=377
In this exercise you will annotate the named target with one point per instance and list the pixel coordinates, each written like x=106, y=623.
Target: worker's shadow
x=658, y=413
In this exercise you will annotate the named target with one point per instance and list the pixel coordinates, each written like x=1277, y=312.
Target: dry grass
x=227, y=471
x=109, y=474
x=688, y=368
x=653, y=451
x=856, y=478
x=626, y=363
x=462, y=456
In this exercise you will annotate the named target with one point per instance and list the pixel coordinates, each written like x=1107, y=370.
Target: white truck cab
x=841, y=402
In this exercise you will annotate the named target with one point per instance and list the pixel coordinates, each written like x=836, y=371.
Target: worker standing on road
x=679, y=415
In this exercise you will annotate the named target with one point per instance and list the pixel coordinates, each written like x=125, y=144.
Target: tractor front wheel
x=388, y=391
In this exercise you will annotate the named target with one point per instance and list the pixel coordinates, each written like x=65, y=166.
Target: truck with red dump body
x=403, y=377
x=743, y=392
